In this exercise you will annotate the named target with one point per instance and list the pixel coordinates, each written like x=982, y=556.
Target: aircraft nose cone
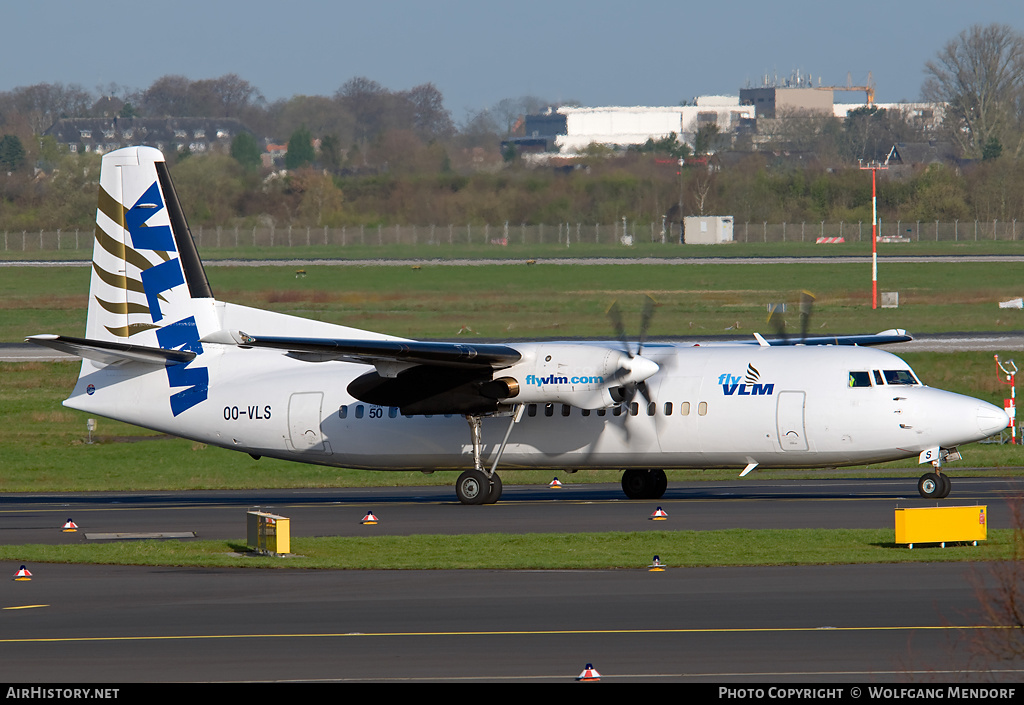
x=992, y=419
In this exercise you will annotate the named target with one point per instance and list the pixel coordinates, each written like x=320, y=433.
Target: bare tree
x=980, y=77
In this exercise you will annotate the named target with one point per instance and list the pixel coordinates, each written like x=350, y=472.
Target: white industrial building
x=930, y=115
x=625, y=126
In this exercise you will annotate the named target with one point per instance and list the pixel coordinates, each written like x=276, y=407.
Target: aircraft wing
x=886, y=337
x=110, y=352
x=401, y=352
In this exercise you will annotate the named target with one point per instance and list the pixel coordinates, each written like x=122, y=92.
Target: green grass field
x=547, y=250
x=552, y=301
x=676, y=549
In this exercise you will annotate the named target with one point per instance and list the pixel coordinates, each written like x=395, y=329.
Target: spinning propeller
x=637, y=366
x=775, y=317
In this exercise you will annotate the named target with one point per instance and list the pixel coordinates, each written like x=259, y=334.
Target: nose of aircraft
x=991, y=419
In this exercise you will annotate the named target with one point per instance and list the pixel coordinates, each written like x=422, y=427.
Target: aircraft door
x=790, y=420
x=304, y=420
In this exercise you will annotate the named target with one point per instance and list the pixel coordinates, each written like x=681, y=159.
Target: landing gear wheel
x=930, y=486
x=472, y=487
x=660, y=483
x=495, y=494
x=636, y=484
x=644, y=484
x=947, y=485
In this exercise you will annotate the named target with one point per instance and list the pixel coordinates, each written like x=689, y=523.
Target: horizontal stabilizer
x=373, y=352
x=109, y=352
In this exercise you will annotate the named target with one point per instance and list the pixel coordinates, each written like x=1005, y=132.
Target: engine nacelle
x=580, y=375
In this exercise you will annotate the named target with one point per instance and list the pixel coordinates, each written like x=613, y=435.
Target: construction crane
x=869, y=89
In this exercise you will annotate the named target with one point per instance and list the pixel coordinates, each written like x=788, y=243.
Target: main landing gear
x=644, y=484
x=480, y=486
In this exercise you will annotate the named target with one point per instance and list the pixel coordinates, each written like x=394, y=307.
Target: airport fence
x=566, y=234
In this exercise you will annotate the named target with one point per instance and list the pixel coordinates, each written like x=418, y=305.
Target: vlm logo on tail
x=160, y=278
x=152, y=253
x=750, y=385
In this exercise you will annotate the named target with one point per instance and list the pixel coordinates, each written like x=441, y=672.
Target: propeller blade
x=615, y=316
x=645, y=321
x=776, y=319
x=806, y=304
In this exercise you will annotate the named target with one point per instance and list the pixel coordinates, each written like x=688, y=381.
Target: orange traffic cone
x=589, y=674
x=23, y=574
x=369, y=518
x=659, y=515
x=69, y=527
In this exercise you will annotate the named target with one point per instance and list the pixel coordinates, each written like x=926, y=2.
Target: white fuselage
x=714, y=406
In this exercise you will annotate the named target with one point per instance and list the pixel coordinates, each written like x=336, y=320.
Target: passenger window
x=565, y=409
x=393, y=412
x=359, y=411
x=602, y=412
x=668, y=408
x=634, y=408
x=531, y=410
x=860, y=379
x=343, y=412
x=702, y=408
x=652, y=409
x=684, y=409
x=617, y=411
x=585, y=412
x=549, y=409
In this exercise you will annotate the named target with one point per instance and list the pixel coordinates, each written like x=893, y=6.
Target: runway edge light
x=656, y=566
x=23, y=574
x=555, y=484
x=69, y=526
x=369, y=518
x=659, y=515
x=589, y=674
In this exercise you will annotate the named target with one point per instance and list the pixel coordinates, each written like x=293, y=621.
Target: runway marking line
x=542, y=632
x=24, y=607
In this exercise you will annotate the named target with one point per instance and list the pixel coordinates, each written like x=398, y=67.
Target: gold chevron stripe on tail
x=130, y=330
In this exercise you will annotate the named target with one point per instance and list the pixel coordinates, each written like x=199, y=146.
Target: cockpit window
x=899, y=377
x=860, y=379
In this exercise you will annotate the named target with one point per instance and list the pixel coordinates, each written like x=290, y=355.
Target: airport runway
x=862, y=624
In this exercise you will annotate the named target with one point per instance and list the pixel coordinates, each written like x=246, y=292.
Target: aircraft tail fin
x=148, y=284
x=149, y=299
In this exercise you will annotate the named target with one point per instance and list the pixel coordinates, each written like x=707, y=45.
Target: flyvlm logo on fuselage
x=534, y=380
x=746, y=386
x=178, y=335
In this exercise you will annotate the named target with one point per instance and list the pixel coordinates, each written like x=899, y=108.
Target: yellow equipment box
x=268, y=533
x=941, y=524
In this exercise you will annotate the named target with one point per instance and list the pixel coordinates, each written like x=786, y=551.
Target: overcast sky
x=645, y=52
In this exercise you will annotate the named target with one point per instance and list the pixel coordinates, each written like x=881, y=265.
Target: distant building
x=626, y=126
x=928, y=116
x=539, y=133
x=922, y=154
x=775, y=101
x=102, y=135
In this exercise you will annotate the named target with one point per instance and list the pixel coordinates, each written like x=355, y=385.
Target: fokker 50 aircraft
x=161, y=352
